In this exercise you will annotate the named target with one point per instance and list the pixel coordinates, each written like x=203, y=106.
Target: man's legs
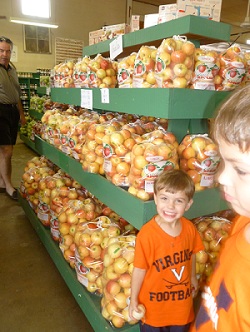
x=5, y=168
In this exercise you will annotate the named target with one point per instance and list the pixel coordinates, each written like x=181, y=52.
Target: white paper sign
x=87, y=99
x=14, y=54
x=105, y=95
x=116, y=47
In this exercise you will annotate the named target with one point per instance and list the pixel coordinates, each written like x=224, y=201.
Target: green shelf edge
x=195, y=28
x=163, y=103
x=89, y=303
x=34, y=114
x=132, y=209
x=41, y=90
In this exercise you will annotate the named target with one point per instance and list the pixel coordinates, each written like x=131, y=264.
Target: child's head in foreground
x=232, y=133
x=174, y=181
x=232, y=122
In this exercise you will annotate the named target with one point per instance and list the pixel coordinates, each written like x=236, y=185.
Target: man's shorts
x=9, y=120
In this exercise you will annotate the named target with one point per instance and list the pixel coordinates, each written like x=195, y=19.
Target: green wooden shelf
x=34, y=114
x=43, y=90
x=196, y=28
x=132, y=209
x=167, y=103
x=187, y=109
x=89, y=303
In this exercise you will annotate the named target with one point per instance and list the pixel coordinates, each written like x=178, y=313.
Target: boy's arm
x=136, y=282
x=194, y=281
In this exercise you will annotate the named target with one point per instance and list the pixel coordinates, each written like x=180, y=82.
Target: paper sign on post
x=105, y=95
x=116, y=47
x=87, y=99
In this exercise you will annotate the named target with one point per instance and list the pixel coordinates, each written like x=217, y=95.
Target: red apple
x=209, y=234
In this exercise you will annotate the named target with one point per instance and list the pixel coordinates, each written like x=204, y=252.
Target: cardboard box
x=150, y=20
x=111, y=31
x=210, y=9
x=96, y=36
x=167, y=13
x=108, y=32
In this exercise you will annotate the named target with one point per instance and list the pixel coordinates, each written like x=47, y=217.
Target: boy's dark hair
x=173, y=181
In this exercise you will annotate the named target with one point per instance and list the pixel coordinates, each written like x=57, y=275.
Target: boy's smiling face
x=171, y=206
x=234, y=177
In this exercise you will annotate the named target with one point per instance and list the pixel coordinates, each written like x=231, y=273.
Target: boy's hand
x=131, y=308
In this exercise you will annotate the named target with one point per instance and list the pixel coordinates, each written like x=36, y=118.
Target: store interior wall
x=76, y=18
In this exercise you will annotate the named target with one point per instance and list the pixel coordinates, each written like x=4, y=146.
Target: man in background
x=11, y=112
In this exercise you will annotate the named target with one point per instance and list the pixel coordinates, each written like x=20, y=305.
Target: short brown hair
x=6, y=40
x=173, y=181
x=232, y=122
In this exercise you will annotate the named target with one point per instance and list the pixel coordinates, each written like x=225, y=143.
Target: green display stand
x=187, y=111
x=89, y=303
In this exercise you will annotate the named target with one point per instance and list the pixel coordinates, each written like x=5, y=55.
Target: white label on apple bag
x=116, y=47
x=207, y=180
x=87, y=99
x=105, y=95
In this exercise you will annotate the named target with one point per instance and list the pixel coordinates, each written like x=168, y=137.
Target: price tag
x=116, y=47
x=87, y=99
x=105, y=95
x=48, y=91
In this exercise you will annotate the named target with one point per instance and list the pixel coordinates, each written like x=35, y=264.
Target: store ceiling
x=233, y=12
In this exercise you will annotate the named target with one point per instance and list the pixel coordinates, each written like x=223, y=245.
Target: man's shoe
x=14, y=195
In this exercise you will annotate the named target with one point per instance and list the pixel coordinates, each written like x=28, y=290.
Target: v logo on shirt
x=178, y=276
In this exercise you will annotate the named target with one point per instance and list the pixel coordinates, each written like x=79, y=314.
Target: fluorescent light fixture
x=248, y=41
x=26, y=22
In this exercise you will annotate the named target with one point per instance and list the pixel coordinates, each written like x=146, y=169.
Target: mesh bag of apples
x=156, y=153
x=102, y=72
x=214, y=230
x=233, y=68
x=206, y=70
x=116, y=280
x=91, y=240
x=80, y=73
x=144, y=64
x=174, y=63
x=74, y=212
x=30, y=184
x=125, y=71
x=199, y=158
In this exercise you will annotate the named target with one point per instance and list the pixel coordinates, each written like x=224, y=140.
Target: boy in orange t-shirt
x=164, y=277
x=225, y=303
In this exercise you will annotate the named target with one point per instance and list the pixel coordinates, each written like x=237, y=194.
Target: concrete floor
x=33, y=295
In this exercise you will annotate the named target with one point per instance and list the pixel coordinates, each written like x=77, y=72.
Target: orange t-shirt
x=166, y=290
x=226, y=302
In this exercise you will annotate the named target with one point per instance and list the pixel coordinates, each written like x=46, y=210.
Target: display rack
x=89, y=303
x=201, y=31
x=29, y=83
x=186, y=109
